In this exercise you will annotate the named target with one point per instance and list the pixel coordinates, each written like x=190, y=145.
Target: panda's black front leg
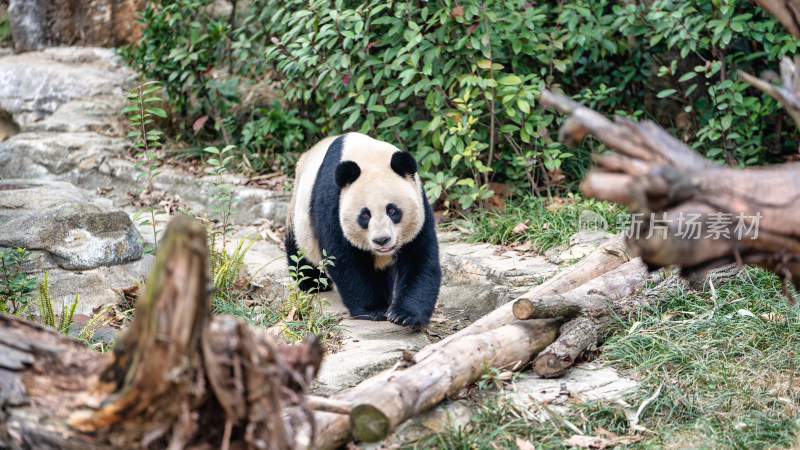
x=417, y=279
x=364, y=291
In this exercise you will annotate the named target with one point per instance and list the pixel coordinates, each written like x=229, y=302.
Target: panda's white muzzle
x=382, y=238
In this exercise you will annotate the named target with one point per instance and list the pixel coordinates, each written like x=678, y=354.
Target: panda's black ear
x=346, y=173
x=404, y=164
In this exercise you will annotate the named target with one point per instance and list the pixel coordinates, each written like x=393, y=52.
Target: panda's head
x=380, y=207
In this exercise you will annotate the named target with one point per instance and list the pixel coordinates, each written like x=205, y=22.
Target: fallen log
x=382, y=402
x=590, y=310
x=574, y=337
x=601, y=260
x=177, y=379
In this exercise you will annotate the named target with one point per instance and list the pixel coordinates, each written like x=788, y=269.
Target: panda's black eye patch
x=394, y=212
x=363, y=218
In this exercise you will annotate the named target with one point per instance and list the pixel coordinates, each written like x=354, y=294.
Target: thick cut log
x=596, y=296
x=575, y=337
x=176, y=380
x=387, y=399
x=686, y=210
x=384, y=401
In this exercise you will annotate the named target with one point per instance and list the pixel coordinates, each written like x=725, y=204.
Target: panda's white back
x=300, y=214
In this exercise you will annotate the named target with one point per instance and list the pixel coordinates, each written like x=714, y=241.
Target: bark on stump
x=177, y=378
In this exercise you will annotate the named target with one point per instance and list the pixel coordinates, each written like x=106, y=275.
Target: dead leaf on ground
x=500, y=249
x=407, y=359
x=522, y=444
x=582, y=441
x=772, y=317
x=523, y=247
x=521, y=227
x=290, y=317
x=616, y=440
x=277, y=330
x=557, y=203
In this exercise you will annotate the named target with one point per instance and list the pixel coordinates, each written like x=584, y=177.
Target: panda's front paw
x=370, y=315
x=407, y=318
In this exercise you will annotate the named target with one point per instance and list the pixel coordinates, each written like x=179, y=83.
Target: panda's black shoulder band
x=403, y=163
x=346, y=173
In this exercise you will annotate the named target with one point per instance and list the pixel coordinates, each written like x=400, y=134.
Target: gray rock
x=92, y=160
x=96, y=287
x=580, y=244
x=590, y=381
x=71, y=157
x=82, y=115
x=367, y=348
x=33, y=85
x=476, y=280
x=27, y=23
x=72, y=228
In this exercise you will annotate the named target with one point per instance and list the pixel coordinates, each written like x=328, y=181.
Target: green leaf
x=157, y=112
x=666, y=93
x=510, y=80
x=391, y=121
x=523, y=105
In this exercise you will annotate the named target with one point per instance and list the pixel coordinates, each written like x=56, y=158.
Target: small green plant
x=303, y=313
x=146, y=138
x=225, y=268
x=87, y=332
x=16, y=288
x=265, y=138
x=223, y=195
x=490, y=377
x=46, y=311
x=300, y=314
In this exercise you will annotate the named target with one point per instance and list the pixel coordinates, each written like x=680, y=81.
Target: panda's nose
x=382, y=240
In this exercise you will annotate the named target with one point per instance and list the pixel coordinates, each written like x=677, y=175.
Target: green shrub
x=16, y=287
x=205, y=64
x=455, y=82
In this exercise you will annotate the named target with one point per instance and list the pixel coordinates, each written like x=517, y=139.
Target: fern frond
x=22, y=310
x=66, y=315
x=46, y=302
x=87, y=332
x=226, y=271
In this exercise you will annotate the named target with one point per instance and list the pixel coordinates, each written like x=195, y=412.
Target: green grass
x=546, y=228
x=726, y=360
x=313, y=322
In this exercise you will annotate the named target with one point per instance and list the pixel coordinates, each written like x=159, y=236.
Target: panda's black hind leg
x=304, y=271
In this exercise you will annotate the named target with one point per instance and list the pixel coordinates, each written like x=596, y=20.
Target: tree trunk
x=176, y=378
x=686, y=210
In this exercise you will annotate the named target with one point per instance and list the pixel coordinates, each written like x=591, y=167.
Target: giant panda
x=361, y=201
